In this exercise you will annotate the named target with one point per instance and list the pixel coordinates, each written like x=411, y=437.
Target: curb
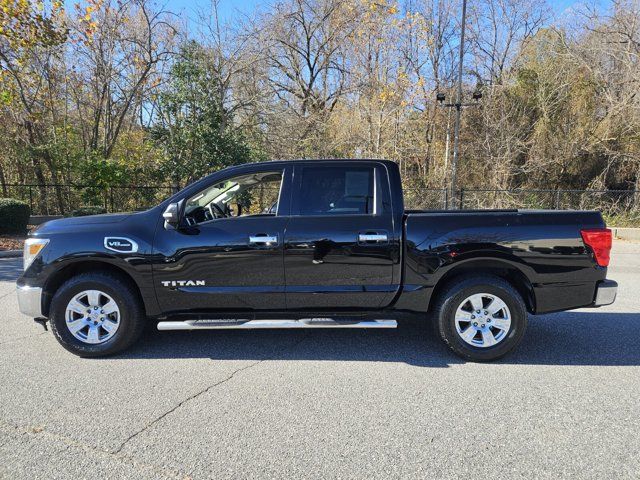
x=632, y=234
x=10, y=253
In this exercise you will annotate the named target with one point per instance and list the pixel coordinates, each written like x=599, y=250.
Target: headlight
x=32, y=247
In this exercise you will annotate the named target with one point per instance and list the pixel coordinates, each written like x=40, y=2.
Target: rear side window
x=337, y=191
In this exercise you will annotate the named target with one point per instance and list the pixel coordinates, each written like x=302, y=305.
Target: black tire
x=132, y=318
x=454, y=294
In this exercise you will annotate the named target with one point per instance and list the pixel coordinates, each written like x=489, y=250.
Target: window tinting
x=337, y=190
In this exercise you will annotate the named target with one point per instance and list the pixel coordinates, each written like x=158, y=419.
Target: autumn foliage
x=120, y=92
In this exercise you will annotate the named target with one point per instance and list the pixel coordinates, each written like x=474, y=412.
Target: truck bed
x=543, y=246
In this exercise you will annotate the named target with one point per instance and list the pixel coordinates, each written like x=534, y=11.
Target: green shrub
x=627, y=219
x=88, y=210
x=14, y=216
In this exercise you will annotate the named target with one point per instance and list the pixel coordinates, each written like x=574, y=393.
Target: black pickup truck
x=310, y=244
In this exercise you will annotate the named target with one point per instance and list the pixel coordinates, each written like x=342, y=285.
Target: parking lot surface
x=327, y=403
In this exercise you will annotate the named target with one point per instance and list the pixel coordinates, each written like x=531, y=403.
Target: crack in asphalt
x=117, y=453
x=72, y=443
x=182, y=402
x=196, y=395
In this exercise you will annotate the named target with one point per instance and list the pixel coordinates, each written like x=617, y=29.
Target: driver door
x=233, y=262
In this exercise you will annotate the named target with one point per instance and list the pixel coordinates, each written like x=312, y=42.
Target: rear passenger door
x=340, y=245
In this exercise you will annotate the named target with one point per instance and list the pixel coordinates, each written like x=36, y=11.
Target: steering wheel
x=216, y=211
x=273, y=208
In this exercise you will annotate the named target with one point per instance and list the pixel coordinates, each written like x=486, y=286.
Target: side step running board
x=258, y=324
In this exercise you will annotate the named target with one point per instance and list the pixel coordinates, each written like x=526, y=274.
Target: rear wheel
x=481, y=318
x=96, y=314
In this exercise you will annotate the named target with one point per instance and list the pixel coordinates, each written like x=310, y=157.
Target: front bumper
x=30, y=301
x=605, y=293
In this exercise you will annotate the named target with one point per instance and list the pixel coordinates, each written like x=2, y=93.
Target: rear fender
x=426, y=277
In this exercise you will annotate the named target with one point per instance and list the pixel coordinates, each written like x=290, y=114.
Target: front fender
x=84, y=248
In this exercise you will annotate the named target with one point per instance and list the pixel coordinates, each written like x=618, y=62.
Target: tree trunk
x=40, y=182
x=3, y=181
x=54, y=178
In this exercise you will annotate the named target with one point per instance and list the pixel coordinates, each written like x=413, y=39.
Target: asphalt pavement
x=327, y=403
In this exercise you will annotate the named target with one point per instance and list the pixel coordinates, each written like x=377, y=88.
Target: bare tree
x=497, y=29
x=118, y=49
x=234, y=61
x=607, y=46
x=429, y=37
x=304, y=41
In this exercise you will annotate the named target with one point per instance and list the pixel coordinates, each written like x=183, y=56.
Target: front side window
x=337, y=191
x=245, y=195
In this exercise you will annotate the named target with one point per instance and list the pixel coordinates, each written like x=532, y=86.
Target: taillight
x=599, y=240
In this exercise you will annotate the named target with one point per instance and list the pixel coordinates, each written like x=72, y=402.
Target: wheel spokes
x=76, y=306
x=93, y=296
x=92, y=317
x=476, y=301
x=76, y=325
x=495, y=306
x=501, y=323
x=109, y=325
x=469, y=333
x=109, y=307
x=94, y=334
x=488, y=339
x=484, y=326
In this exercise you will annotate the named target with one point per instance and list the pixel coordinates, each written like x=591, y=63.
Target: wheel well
x=503, y=270
x=58, y=278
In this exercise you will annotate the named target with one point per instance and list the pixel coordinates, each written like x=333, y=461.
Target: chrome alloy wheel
x=483, y=320
x=92, y=316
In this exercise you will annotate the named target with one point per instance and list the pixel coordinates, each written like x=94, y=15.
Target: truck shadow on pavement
x=570, y=338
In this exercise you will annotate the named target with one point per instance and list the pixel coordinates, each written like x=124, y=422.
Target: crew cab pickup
x=311, y=244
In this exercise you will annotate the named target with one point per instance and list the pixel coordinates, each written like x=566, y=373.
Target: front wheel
x=481, y=318
x=96, y=314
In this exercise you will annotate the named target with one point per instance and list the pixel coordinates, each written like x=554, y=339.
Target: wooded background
x=108, y=94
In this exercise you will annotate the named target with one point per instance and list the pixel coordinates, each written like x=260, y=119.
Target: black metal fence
x=62, y=199
x=58, y=199
x=609, y=202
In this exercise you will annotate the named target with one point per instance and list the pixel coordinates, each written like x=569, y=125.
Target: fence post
x=558, y=199
x=71, y=199
x=30, y=198
x=111, y=198
x=461, y=207
x=446, y=199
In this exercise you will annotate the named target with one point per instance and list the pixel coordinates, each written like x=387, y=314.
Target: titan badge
x=183, y=283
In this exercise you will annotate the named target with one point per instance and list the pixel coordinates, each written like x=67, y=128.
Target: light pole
x=456, y=131
x=458, y=105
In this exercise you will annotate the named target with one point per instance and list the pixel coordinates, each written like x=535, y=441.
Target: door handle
x=263, y=238
x=373, y=237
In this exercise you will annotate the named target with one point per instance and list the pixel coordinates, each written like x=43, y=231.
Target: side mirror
x=171, y=216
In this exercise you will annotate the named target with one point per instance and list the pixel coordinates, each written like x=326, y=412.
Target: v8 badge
x=120, y=244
